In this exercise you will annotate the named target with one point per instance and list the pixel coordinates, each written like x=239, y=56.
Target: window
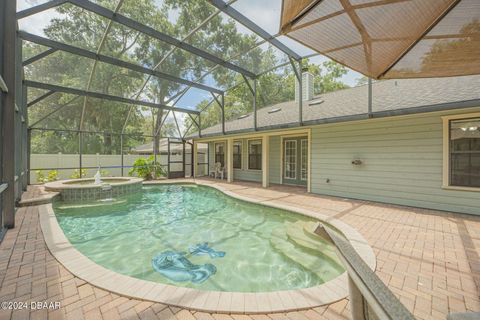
x=237, y=155
x=464, y=152
x=255, y=155
x=290, y=159
x=220, y=153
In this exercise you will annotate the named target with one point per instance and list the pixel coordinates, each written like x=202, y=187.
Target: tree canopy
x=220, y=36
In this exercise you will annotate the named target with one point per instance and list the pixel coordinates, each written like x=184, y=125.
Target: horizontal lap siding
x=402, y=163
x=274, y=159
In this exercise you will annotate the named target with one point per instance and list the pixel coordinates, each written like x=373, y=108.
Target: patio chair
x=219, y=170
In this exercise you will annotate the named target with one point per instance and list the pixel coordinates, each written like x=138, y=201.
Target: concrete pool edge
x=211, y=301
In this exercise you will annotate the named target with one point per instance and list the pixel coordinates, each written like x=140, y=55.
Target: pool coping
x=210, y=301
x=70, y=184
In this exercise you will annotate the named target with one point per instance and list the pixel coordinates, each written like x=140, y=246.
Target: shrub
x=146, y=168
x=77, y=174
x=51, y=176
x=40, y=176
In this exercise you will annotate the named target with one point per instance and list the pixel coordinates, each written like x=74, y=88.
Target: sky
x=265, y=13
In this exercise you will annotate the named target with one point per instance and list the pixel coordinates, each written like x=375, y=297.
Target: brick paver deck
x=429, y=259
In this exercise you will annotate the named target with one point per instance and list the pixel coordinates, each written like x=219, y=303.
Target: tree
x=327, y=76
x=86, y=30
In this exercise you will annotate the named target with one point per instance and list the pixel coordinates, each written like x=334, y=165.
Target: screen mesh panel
x=390, y=39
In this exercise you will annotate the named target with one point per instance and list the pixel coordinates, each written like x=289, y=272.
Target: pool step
x=302, y=233
x=279, y=241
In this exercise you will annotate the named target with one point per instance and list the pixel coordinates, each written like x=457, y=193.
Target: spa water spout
x=98, y=177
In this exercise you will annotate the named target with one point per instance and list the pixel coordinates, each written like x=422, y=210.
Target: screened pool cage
x=105, y=83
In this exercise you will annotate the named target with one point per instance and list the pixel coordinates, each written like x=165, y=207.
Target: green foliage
x=146, y=168
x=40, y=176
x=51, y=176
x=220, y=36
x=327, y=76
x=77, y=174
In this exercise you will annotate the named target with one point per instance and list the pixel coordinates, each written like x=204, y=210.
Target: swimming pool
x=197, y=237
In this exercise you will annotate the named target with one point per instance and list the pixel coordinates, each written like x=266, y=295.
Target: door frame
x=307, y=136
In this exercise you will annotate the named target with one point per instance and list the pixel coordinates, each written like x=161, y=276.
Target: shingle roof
x=387, y=95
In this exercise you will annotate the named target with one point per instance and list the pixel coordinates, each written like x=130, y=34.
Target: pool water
x=263, y=246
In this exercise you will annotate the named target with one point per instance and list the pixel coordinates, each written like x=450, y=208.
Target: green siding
x=274, y=160
x=402, y=163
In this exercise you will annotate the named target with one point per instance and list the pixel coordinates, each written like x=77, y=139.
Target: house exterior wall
x=245, y=174
x=402, y=162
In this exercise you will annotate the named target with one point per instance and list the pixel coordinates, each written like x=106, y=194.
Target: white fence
x=110, y=164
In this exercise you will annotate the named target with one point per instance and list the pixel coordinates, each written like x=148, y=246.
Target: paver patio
x=429, y=259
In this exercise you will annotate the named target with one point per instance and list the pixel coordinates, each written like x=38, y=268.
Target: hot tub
x=86, y=189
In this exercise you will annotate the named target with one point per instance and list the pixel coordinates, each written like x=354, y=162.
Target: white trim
x=285, y=155
x=472, y=189
x=195, y=159
x=309, y=161
x=446, y=150
x=281, y=159
x=258, y=135
x=301, y=158
x=229, y=162
x=265, y=161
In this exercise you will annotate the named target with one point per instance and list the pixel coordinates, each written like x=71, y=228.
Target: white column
x=229, y=165
x=265, y=160
x=195, y=159
x=309, y=161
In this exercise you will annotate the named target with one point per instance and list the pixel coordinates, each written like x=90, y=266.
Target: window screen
x=255, y=155
x=465, y=152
